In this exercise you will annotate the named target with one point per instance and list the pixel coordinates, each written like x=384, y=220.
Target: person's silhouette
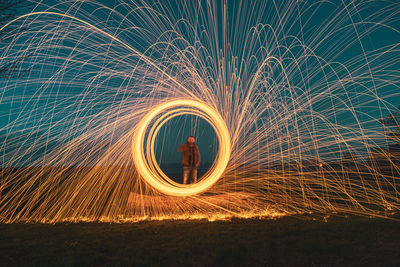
x=190, y=159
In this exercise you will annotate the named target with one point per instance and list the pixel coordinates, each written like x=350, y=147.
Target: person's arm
x=198, y=157
x=180, y=148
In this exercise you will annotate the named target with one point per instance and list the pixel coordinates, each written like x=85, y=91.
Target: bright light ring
x=146, y=164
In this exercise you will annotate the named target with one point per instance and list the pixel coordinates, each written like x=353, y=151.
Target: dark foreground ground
x=287, y=241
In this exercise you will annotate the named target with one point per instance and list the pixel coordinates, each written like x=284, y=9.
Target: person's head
x=191, y=139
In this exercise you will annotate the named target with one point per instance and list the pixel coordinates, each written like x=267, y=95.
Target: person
x=190, y=159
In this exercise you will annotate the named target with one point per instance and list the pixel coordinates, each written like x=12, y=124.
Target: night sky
x=27, y=110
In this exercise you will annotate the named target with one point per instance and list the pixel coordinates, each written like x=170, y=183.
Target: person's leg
x=194, y=175
x=186, y=171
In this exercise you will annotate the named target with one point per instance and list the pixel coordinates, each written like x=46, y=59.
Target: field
x=285, y=241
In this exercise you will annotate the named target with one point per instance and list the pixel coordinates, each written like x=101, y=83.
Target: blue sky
x=348, y=33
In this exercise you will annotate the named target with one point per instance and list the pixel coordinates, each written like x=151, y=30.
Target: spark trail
x=293, y=91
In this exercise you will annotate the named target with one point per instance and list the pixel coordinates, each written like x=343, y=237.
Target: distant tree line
x=392, y=122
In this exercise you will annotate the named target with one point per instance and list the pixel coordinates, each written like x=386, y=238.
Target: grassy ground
x=287, y=241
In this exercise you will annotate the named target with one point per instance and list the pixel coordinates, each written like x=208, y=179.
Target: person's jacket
x=185, y=149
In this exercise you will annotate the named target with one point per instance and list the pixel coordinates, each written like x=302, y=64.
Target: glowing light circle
x=146, y=164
